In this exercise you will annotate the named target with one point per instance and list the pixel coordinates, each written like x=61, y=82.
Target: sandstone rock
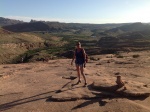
x=132, y=88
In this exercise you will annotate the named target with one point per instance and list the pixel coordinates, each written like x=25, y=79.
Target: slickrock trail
x=47, y=87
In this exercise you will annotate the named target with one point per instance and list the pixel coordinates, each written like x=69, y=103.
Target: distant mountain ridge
x=131, y=27
x=52, y=26
x=6, y=21
x=99, y=30
x=27, y=27
x=56, y=26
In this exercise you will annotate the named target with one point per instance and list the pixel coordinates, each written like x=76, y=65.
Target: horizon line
x=28, y=19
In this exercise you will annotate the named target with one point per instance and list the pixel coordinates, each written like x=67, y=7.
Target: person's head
x=78, y=44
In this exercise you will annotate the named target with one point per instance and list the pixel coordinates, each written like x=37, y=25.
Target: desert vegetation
x=39, y=39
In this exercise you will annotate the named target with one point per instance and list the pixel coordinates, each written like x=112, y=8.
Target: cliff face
x=27, y=27
x=5, y=21
x=14, y=44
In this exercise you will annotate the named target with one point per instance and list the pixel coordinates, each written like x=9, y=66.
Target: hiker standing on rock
x=80, y=60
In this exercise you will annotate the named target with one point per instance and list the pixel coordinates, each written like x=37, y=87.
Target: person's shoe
x=76, y=83
x=79, y=81
x=85, y=84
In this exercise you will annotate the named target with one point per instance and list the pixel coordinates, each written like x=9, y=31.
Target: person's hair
x=78, y=43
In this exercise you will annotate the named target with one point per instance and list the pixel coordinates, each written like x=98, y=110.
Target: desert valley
x=36, y=74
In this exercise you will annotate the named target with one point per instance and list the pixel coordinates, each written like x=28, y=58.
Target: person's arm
x=73, y=58
x=84, y=55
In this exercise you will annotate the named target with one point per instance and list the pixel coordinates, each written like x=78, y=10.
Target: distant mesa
x=27, y=27
x=6, y=21
x=130, y=28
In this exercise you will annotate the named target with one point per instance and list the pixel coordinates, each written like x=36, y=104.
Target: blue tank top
x=79, y=57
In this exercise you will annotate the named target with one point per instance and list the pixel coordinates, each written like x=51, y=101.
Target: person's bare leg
x=78, y=73
x=81, y=68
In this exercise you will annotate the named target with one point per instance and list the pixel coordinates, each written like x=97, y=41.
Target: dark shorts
x=79, y=62
x=81, y=65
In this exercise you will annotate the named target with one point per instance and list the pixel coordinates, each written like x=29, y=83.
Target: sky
x=77, y=11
